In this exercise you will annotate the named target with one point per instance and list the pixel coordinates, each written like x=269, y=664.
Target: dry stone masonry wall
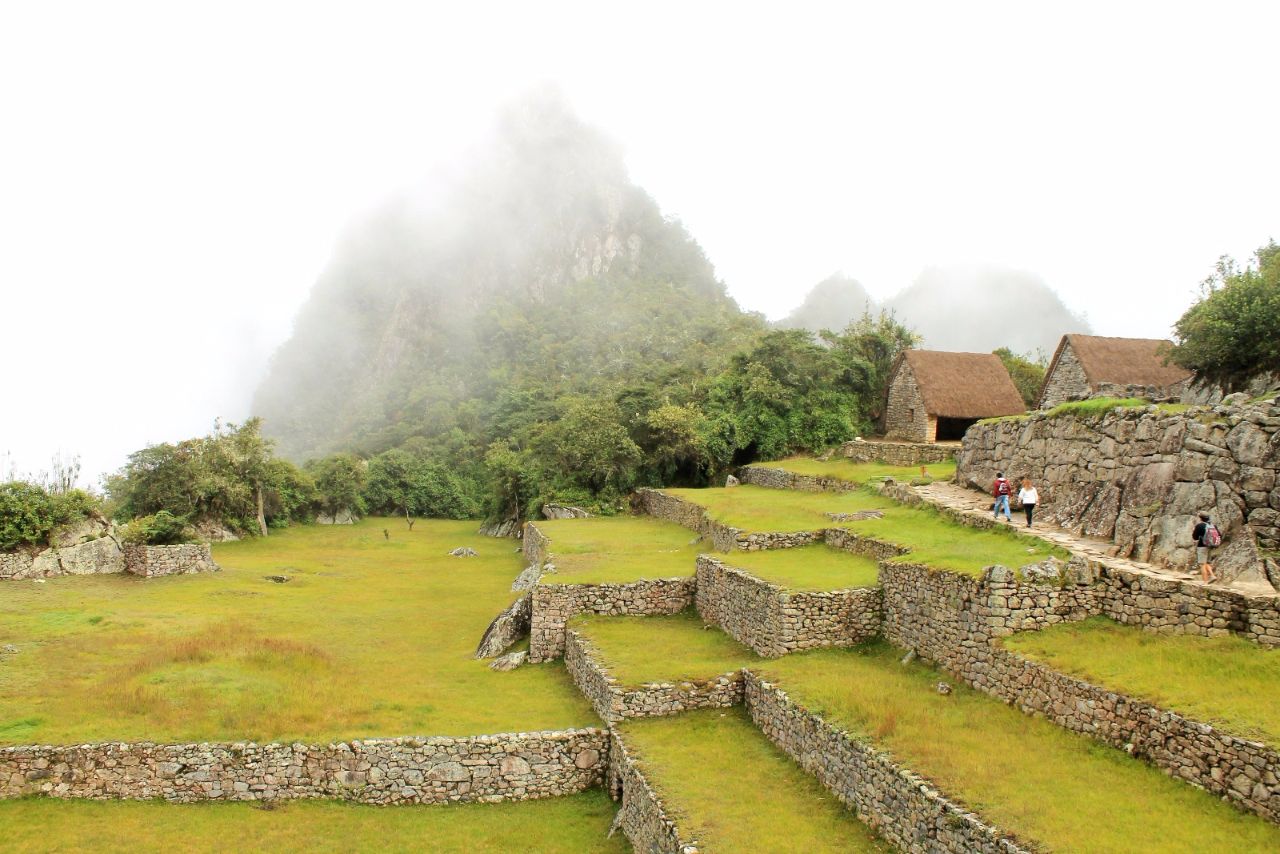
x=774, y=621
x=614, y=702
x=774, y=478
x=105, y=555
x=553, y=605
x=155, y=561
x=903, y=807
x=723, y=538
x=516, y=766
x=1138, y=476
x=898, y=453
x=642, y=816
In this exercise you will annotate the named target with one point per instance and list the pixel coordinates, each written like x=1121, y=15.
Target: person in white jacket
x=1028, y=498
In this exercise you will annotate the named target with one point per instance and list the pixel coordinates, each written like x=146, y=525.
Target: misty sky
x=172, y=179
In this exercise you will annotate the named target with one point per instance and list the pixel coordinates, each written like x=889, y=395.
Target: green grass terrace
x=618, y=549
x=1058, y=790
x=1227, y=681
x=371, y=637
x=816, y=567
x=729, y=788
x=568, y=825
x=930, y=537
x=842, y=468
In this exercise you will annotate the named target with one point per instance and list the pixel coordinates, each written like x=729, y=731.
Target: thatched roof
x=963, y=385
x=1122, y=361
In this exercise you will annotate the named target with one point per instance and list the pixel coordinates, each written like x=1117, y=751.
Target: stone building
x=936, y=396
x=1090, y=365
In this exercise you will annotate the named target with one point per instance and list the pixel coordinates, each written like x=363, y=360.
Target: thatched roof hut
x=1084, y=365
x=935, y=395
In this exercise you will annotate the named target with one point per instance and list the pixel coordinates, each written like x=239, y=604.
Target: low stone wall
x=490, y=768
x=1241, y=770
x=614, y=703
x=1171, y=606
x=723, y=538
x=842, y=538
x=899, y=453
x=552, y=606
x=773, y=478
x=642, y=815
x=774, y=621
x=153, y=561
x=100, y=555
x=535, y=544
x=906, y=809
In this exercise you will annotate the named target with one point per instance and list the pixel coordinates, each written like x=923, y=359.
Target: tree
x=866, y=351
x=1229, y=337
x=339, y=482
x=1027, y=372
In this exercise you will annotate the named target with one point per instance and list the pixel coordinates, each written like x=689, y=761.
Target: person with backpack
x=1001, y=489
x=1207, y=536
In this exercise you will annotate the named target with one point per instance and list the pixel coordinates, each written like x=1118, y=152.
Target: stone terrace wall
x=723, y=538
x=774, y=621
x=772, y=478
x=1138, y=476
x=903, y=807
x=489, y=768
x=1171, y=606
x=552, y=605
x=642, y=815
x=153, y=561
x=898, y=453
x=1243, y=771
x=614, y=703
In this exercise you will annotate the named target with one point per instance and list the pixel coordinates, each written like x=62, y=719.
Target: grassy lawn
x=932, y=538
x=816, y=567
x=1041, y=782
x=566, y=825
x=637, y=650
x=733, y=791
x=843, y=468
x=371, y=637
x=1228, y=681
x=618, y=549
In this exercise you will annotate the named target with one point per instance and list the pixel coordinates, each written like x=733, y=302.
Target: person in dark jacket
x=1203, y=536
x=1001, y=490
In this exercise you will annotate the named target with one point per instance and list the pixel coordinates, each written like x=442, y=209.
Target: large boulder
x=563, y=511
x=507, y=628
x=342, y=517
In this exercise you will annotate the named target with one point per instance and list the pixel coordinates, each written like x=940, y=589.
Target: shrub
x=159, y=529
x=1096, y=406
x=27, y=515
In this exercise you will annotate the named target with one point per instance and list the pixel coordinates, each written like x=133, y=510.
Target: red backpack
x=1002, y=487
x=1212, y=536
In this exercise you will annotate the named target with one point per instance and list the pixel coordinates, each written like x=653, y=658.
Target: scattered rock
x=856, y=515
x=563, y=511
x=278, y=579
x=502, y=528
x=731, y=481
x=526, y=579
x=506, y=628
x=510, y=661
x=909, y=657
x=8, y=649
x=943, y=688
x=464, y=551
x=342, y=517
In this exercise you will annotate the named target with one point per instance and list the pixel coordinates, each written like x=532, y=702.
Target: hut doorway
x=952, y=429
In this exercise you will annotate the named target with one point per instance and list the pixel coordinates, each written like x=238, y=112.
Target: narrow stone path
x=978, y=505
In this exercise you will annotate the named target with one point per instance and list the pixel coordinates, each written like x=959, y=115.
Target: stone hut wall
x=1138, y=476
x=553, y=605
x=614, y=703
x=906, y=809
x=1067, y=382
x=904, y=413
x=774, y=621
x=897, y=453
x=153, y=561
x=641, y=815
x=490, y=768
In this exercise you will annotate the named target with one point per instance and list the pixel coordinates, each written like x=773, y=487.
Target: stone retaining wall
x=723, y=538
x=641, y=815
x=154, y=561
x=774, y=621
x=490, y=768
x=614, y=703
x=1138, y=476
x=906, y=809
x=1241, y=770
x=772, y=478
x=899, y=453
x=552, y=606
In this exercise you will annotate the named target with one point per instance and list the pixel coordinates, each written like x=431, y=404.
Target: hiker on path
x=1028, y=498
x=1001, y=489
x=1206, y=536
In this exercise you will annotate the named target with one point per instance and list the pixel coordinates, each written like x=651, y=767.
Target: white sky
x=173, y=175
